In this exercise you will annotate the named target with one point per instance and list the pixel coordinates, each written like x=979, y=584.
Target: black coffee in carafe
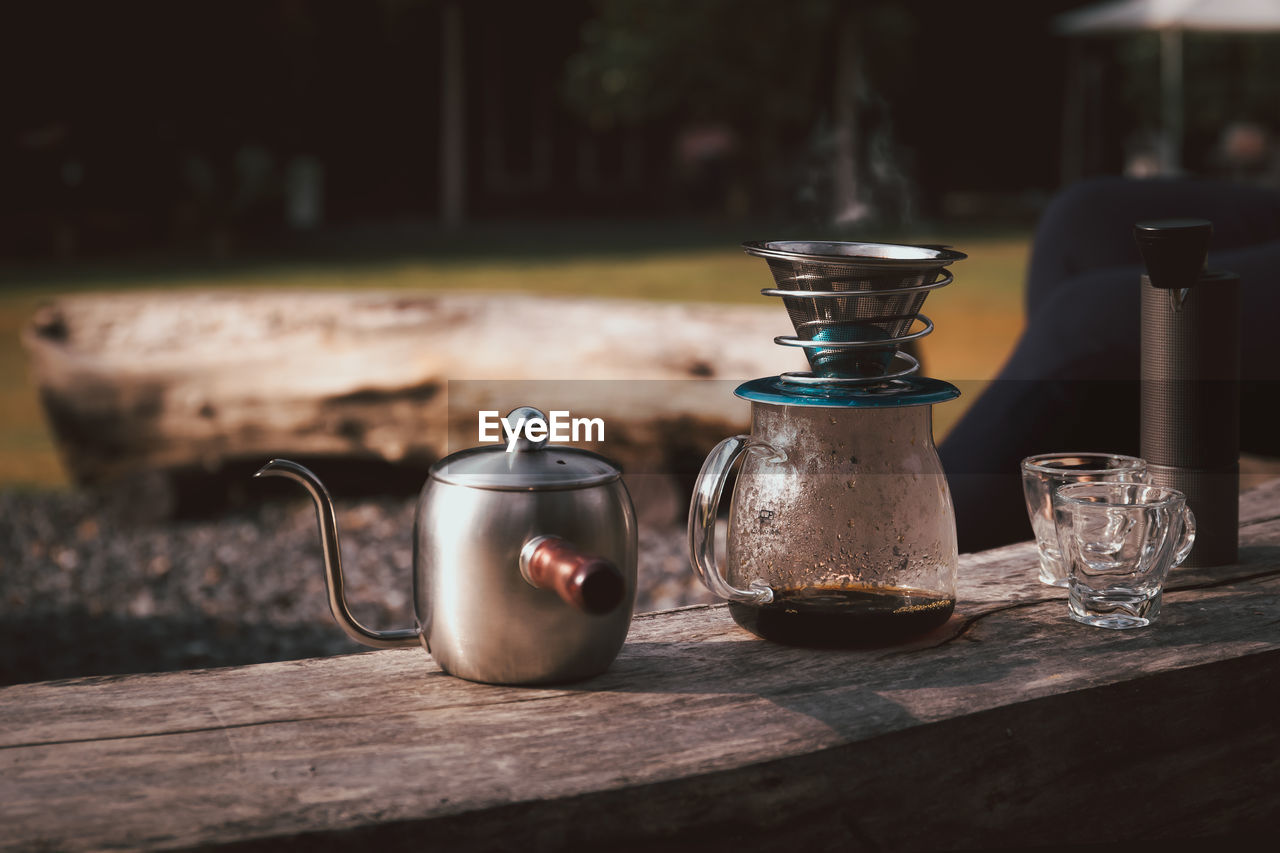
x=844, y=617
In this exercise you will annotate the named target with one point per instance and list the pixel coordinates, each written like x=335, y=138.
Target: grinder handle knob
x=589, y=583
x=1174, y=251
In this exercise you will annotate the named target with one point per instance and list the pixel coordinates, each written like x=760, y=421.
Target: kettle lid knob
x=517, y=418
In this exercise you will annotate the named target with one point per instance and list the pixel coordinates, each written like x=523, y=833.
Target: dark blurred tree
x=771, y=71
x=716, y=59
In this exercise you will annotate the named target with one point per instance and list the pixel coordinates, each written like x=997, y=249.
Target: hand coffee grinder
x=1191, y=381
x=841, y=528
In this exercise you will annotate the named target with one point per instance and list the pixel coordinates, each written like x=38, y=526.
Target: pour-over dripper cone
x=861, y=297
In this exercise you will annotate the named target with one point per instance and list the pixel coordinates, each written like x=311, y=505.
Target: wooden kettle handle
x=591, y=584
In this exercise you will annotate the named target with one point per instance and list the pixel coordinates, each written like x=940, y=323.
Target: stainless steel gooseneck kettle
x=524, y=566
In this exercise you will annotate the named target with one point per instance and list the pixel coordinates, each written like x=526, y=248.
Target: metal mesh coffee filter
x=862, y=298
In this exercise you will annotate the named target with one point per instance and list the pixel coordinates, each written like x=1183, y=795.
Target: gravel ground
x=82, y=593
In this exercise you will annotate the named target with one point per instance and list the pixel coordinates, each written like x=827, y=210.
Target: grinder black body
x=1190, y=371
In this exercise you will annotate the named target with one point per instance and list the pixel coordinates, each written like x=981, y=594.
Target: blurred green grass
x=978, y=318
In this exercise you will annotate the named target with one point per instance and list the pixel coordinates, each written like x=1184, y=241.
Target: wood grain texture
x=989, y=732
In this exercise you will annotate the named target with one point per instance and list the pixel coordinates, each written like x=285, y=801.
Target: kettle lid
x=529, y=466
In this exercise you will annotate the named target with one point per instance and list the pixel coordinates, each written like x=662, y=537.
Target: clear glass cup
x=1043, y=473
x=1119, y=541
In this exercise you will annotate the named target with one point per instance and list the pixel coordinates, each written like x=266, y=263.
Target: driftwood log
x=1009, y=727
x=220, y=381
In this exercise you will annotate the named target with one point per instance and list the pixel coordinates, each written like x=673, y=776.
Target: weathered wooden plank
x=138, y=382
x=322, y=771
x=699, y=734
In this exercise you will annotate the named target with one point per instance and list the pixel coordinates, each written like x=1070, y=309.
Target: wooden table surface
x=1009, y=726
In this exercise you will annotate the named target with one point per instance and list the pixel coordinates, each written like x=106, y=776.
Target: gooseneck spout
x=333, y=559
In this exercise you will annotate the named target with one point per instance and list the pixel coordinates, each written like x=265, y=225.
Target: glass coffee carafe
x=841, y=529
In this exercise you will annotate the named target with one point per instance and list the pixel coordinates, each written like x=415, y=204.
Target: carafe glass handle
x=702, y=519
